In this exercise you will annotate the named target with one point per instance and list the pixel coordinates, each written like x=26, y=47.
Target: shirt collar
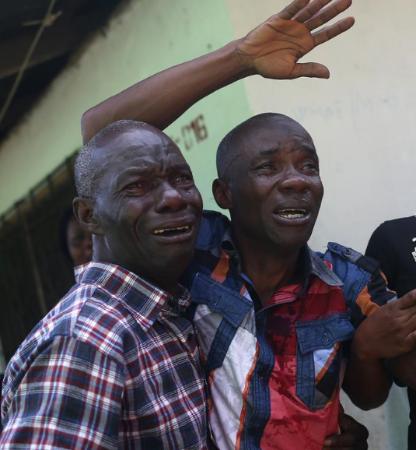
x=319, y=268
x=216, y=236
x=144, y=300
x=310, y=261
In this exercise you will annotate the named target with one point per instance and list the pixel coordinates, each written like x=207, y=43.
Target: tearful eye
x=183, y=180
x=311, y=166
x=138, y=187
x=267, y=166
x=265, y=170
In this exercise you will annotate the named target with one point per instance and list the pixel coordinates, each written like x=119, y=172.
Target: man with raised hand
x=273, y=316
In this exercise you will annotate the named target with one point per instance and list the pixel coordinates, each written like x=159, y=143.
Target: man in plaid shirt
x=115, y=364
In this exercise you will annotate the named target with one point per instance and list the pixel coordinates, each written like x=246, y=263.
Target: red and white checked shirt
x=113, y=365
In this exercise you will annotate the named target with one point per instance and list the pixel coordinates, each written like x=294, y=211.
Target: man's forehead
x=139, y=138
x=126, y=152
x=156, y=153
x=271, y=142
x=276, y=129
x=139, y=144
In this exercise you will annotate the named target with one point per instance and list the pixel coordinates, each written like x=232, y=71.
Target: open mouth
x=172, y=231
x=292, y=214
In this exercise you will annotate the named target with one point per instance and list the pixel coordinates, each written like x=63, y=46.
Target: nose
x=169, y=198
x=292, y=180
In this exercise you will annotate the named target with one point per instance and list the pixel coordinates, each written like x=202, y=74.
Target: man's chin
x=176, y=259
x=291, y=242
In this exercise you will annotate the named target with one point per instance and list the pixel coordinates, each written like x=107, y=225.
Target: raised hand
x=274, y=48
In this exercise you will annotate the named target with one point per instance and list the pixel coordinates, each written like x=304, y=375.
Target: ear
x=84, y=213
x=222, y=193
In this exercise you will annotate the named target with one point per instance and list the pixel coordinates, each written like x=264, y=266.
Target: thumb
x=311, y=70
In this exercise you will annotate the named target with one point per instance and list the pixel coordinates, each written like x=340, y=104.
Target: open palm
x=274, y=48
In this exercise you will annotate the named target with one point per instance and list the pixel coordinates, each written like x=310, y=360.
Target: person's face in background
x=79, y=243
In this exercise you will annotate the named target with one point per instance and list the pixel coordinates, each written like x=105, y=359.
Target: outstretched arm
x=272, y=50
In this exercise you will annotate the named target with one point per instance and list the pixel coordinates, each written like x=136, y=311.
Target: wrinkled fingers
x=291, y=10
x=323, y=16
x=332, y=31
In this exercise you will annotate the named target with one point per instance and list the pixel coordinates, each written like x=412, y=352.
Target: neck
x=268, y=268
x=166, y=279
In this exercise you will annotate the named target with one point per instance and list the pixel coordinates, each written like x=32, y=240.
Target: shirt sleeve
x=69, y=398
x=376, y=292
x=373, y=295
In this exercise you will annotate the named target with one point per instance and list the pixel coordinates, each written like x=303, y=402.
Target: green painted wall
x=145, y=37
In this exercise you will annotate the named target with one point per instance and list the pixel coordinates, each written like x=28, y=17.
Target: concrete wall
x=362, y=120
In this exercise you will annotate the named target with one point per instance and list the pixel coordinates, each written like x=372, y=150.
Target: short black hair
x=228, y=149
x=85, y=172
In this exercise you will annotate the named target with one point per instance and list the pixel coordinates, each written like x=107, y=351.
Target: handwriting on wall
x=192, y=133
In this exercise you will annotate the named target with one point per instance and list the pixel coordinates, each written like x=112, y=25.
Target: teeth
x=292, y=216
x=292, y=213
x=170, y=230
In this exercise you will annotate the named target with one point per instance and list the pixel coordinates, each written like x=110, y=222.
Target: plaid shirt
x=113, y=365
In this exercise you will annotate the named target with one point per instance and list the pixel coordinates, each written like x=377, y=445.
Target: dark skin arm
x=367, y=382
x=272, y=50
x=403, y=368
x=353, y=435
x=388, y=333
